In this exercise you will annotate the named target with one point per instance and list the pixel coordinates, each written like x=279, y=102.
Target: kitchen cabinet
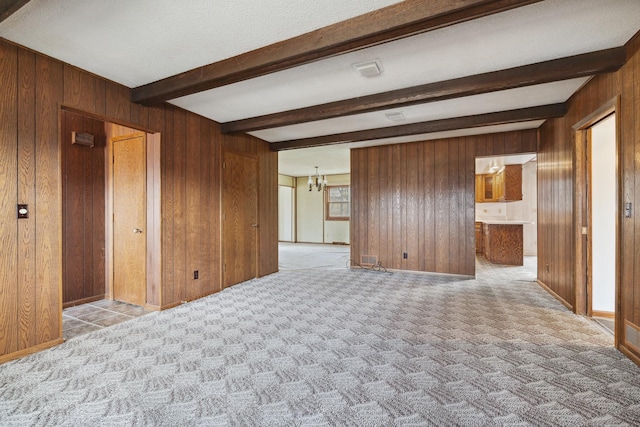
x=479, y=238
x=508, y=184
x=479, y=188
x=503, y=242
x=502, y=186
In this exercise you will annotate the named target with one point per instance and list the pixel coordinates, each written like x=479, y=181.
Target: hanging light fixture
x=319, y=181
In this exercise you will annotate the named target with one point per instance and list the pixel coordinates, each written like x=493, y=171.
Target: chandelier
x=319, y=181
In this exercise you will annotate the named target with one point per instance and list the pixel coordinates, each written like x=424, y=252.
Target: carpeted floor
x=303, y=256
x=337, y=348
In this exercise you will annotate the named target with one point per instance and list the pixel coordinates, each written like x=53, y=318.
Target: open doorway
x=602, y=201
x=93, y=191
x=506, y=210
x=596, y=227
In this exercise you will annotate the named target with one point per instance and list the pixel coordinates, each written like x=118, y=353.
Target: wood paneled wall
x=417, y=199
x=83, y=211
x=33, y=91
x=506, y=143
x=30, y=267
x=556, y=190
x=267, y=199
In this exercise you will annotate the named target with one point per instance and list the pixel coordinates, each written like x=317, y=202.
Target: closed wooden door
x=129, y=219
x=239, y=218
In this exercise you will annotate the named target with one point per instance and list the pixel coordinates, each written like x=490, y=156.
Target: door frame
x=154, y=207
x=582, y=211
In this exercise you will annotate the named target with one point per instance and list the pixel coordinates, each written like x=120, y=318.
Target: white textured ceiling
x=485, y=163
x=134, y=42
x=140, y=41
x=535, y=33
x=550, y=93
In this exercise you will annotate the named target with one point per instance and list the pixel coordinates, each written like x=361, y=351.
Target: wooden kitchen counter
x=503, y=242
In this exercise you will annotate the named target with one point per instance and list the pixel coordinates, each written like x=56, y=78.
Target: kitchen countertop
x=502, y=222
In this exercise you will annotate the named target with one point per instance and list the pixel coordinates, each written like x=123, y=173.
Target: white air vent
x=395, y=117
x=368, y=260
x=369, y=68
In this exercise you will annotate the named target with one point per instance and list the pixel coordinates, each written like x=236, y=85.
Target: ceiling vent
x=395, y=117
x=369, y=68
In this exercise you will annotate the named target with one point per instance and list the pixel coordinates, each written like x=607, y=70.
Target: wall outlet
x=195, y=274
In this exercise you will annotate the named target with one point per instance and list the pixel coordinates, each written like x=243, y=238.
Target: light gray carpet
x=303, y=256
x=337, y=348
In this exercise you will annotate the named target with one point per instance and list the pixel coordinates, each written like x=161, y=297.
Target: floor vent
x=368, y=260
x=632, y=335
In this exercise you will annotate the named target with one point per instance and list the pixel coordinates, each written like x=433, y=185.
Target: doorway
x=239, y=218
x=94, y=189
x=602, y=200
x=596, y=227
x=506, y=210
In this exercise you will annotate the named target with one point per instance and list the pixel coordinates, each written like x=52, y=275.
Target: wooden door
x=129, y=219
x=239, y=218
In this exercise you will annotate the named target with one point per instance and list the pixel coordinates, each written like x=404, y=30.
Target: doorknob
x=137, y=230
x=254, y=225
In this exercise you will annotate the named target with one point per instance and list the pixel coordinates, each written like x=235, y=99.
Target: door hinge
x=224, y=267
x=224, y=165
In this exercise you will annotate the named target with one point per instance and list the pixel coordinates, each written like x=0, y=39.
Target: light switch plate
x=23, y=211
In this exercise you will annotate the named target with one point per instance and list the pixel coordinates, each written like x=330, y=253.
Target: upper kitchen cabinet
x=502, y=186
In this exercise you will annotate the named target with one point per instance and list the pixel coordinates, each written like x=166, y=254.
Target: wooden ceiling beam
x=588, y=64
x=466, y=122
x=400, y=20
x=9, y=7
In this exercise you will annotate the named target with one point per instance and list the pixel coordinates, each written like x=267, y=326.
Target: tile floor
x=85, y=318
x=606, y=324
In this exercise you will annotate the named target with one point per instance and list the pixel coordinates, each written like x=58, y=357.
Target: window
x=338, y=203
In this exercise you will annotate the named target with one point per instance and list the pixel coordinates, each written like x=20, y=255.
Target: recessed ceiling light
x=369, y=68
x=395, y=117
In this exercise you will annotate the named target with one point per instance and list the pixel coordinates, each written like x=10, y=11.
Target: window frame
x=328, y=203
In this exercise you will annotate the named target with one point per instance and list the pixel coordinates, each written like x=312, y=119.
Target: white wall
x=285, y=213
x=603, y=214
x=528, y=208
x=310, y=222
x=310, y=213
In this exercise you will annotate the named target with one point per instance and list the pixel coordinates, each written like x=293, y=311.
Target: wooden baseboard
x=175, y=304
x=603, y=314
x=630, y=354
x=152, y=307
x=30, y=350
x=83, y=301
x=556, y=296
